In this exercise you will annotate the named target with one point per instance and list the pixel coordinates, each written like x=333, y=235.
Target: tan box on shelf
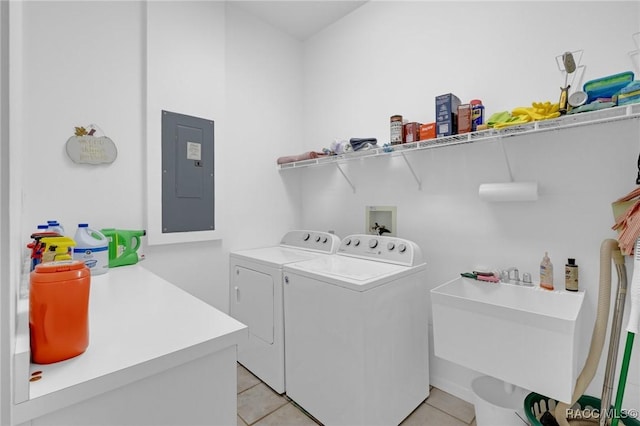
x=465, y=121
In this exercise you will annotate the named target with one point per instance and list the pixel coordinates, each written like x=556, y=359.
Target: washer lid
x=275, y=256
x=356, y=274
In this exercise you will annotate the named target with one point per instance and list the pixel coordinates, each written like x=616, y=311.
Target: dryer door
x=252, y=301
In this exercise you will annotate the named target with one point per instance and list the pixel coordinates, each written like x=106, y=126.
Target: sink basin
x=523, y=335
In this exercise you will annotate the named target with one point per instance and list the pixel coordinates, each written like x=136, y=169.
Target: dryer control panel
x=319, y=241
x=381, y=248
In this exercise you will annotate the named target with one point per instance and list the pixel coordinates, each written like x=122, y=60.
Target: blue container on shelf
x=608, y=86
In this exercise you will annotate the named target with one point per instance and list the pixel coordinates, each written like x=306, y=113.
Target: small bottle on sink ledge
x=546, y=272
x=571, y=275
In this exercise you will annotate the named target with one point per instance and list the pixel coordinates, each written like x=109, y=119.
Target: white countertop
x=140, y=325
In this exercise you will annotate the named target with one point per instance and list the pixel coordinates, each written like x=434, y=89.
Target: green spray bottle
x=123, y=245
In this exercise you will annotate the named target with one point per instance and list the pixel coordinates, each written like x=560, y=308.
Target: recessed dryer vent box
x=188, y=198
x=381, y=220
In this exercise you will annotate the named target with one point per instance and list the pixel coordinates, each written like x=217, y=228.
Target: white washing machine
x=357, y=349
x=256, y=298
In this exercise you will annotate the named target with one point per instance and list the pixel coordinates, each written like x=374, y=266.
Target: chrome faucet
x=512, y=275
x=506, y=275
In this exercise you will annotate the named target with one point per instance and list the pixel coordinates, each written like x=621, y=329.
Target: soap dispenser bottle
x=571, y=275
x=546, y=272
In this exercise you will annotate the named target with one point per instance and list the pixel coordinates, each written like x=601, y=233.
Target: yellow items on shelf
x=537, y=111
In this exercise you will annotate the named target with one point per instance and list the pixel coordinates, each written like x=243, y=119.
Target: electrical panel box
x=188, y=191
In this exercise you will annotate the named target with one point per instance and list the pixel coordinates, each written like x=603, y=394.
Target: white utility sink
x=523, y=335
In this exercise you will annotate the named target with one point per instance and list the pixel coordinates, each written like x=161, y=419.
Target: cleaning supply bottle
x=59, y=310
x=571, y=275
x=92, y=247
x=54, y=226
x=546, y=272
x=56, y=248
x=36, y=248
x=41, y=229
x=123, y=245
x=477, y=114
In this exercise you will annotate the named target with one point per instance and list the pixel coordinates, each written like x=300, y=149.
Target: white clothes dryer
x=356, y=327
x=256, y=298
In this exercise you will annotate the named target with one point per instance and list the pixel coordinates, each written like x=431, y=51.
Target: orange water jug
x=59, y=310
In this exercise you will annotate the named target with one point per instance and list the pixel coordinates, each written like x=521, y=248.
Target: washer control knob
x=318, y=239
x=347, y=242
x=390, y=246
x=402, y=247
x=306, y=237
x=324, y=241
x=356, y=242
x=373, y=243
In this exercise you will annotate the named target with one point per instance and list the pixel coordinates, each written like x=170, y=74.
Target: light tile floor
x=259, y=405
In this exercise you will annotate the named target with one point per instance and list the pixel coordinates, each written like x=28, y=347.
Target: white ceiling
x=299, y=18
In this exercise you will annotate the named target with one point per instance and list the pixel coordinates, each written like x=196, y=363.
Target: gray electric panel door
x=188, y=198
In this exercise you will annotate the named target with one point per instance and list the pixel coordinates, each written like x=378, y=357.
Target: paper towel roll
x=509, y=191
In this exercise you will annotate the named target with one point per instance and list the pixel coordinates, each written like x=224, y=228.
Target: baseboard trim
x=453, y=388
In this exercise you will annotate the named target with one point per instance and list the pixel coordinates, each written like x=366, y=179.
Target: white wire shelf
x=606, y=115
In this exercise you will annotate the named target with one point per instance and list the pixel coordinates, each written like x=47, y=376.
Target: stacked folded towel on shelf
x=305, y=156
x=338, y=146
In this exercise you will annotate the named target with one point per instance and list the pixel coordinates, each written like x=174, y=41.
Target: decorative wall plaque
x=90, y=146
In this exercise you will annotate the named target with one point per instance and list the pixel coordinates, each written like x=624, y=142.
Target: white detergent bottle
x=55, y=226
x=92, y=247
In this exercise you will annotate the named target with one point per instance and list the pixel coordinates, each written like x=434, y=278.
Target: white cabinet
x=156, y=355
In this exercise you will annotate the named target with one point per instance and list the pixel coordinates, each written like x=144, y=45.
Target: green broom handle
x=632, y=329
x=623, y=380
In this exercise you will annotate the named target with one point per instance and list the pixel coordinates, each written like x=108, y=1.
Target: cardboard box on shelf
x=465, y=119
x=427, y=131
x=411, y=132
x=446, y=114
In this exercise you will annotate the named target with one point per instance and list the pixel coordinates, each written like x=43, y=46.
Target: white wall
x=117, y=64
x=409, y=52
x=186, y=74
x=252, y=97
x=394, y=58
x=78, y=70
x=264, y=95
x=187, y=57
x=6, y=310
x=12, y=75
